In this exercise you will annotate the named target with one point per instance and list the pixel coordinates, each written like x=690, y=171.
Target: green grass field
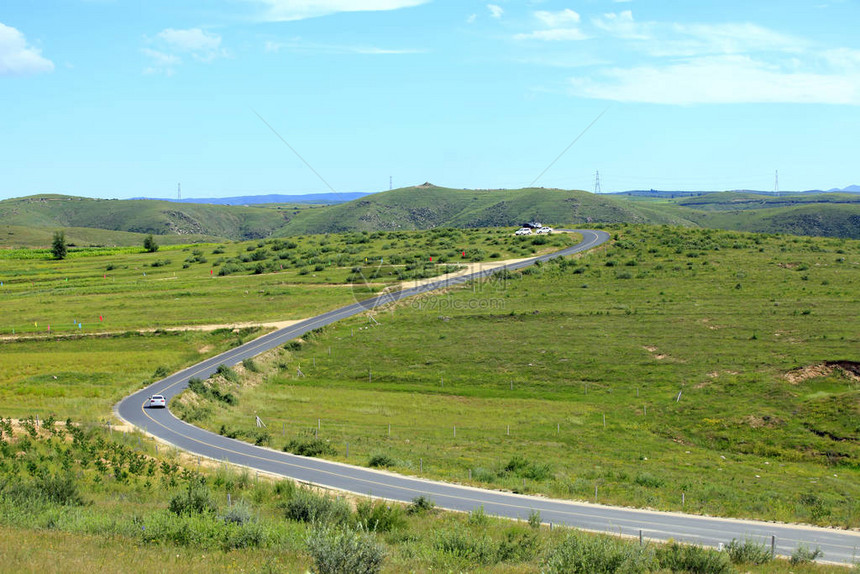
x=681, y=339
x=118, y=289
x=109, y=309
x=80, y=498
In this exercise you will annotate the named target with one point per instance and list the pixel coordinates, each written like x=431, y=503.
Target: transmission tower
x=776, y=183
x=596, y=182
x=179, y=191
x=390, y=183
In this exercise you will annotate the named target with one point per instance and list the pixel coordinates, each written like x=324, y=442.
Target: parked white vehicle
x=523, y=231
x=544, y=230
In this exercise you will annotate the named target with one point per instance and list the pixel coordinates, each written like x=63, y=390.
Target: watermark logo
x=479, y=288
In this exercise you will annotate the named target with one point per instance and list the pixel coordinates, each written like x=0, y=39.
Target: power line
x=570, y=145
x=292, y=149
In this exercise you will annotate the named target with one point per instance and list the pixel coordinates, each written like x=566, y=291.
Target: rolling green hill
x=428, y=206
x=823, y=215
x=142, y=216
x=731, y=200
x=30, y=221
x=19, y=236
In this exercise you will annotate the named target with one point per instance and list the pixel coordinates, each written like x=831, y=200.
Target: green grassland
x=266, y=280
x=109, y=310
x=79, y=498
x=681, y=338
x=85, y=376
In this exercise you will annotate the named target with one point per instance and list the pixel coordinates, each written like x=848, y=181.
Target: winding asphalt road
x=837, y=545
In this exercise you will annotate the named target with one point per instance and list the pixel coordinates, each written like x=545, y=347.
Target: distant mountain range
x=675, y=194
x=312, y=198
x=337, y=198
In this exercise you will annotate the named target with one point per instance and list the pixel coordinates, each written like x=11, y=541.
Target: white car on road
x=157, y=402
x=544, y=230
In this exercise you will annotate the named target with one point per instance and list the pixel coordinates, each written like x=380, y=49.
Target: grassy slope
x=100, y=503
x=732, y=201
x=425, y=207
x=142, y=216
x=823, y=215
x=82, y=371
x=211, y=284
x=18, y=236
x=718, y=316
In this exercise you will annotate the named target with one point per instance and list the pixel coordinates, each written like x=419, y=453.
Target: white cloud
x=298, y=45
x=17, y=58
x=192, y=40
x=561, y=26
x=496, y=11
x=621, y=24
x=558, y=19
x=471, y=19
x=843, y=58
x=170, y=44
x=720, y=80
x=554, y=35
x=729, y=38
x=288, y=10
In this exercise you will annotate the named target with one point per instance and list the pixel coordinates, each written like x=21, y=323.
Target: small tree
x=58, y=247
x=149, y=244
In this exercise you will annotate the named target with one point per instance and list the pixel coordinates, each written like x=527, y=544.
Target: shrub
x=309, y=447
x=307, y=506
x=462, y=543
x=420, y=505
x=344, y=551
x=228, y=373
x=378, y=516
x=380, y=460
x=59, y=489
x=478, y=517
x=250, y=366
x=150, y=244
x=803, y=555
x=649, y=480
x=534, y=518
x=748, y=552
x=195, y=499
x=520, y=466
x=694, y=559
x=596, y=555
x=239, y=513
x=519, y=545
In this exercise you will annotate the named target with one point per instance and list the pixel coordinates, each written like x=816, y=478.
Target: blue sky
x=113, y=98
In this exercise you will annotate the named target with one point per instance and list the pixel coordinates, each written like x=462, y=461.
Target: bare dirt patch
x=850, y=369
x=765, y=421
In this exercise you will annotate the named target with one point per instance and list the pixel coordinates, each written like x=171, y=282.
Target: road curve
x=837, y=545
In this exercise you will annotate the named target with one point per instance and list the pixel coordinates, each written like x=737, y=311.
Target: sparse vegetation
x=120, y=506
x=527, y=379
